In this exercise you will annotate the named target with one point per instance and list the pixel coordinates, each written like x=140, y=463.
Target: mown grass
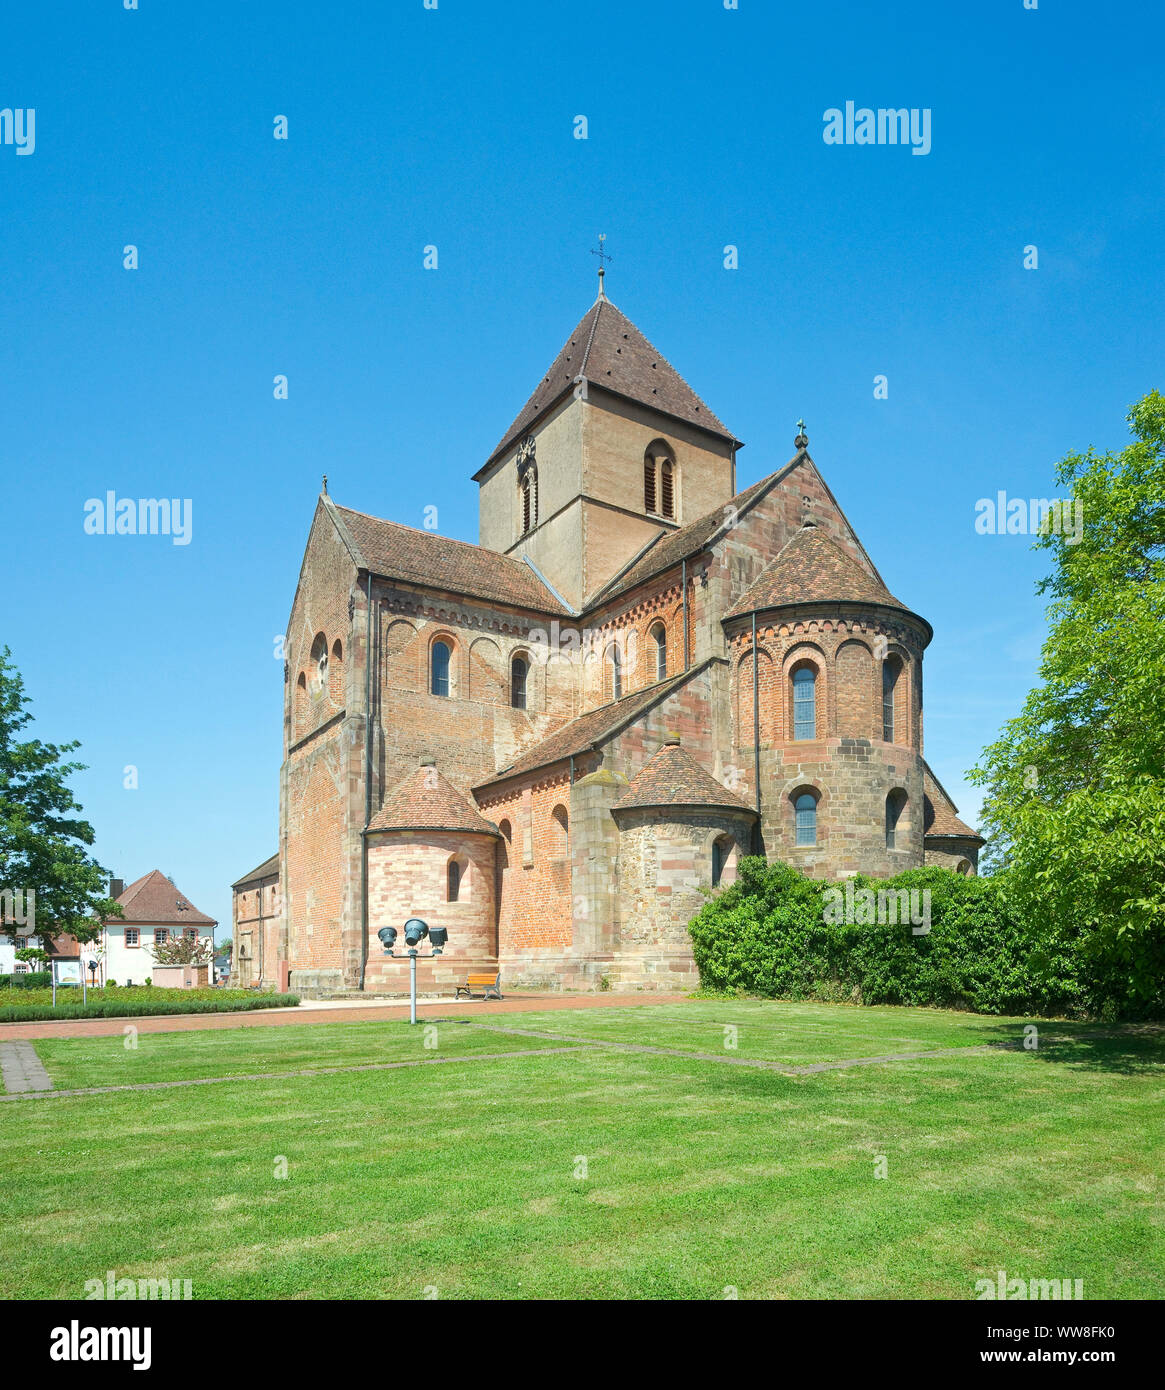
x=108, y=1061
x=468, y=1178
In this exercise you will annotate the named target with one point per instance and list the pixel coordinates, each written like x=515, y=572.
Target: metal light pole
x=415, y=932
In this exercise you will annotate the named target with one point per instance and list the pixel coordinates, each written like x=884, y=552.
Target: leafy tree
x=182, y=950
x=32, y=955
x=43, y=843
x=1075, y=805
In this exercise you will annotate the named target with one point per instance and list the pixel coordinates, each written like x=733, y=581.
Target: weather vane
x=603, y=256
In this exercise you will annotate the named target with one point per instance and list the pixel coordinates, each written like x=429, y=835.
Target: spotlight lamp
x=415, y=932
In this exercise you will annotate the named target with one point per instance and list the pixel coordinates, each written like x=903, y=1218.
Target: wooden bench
x=487, y=982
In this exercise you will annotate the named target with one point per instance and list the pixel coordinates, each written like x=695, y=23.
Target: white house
x=155, y=910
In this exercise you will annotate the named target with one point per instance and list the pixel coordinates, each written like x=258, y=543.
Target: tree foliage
x=43, y=841
x=1075, y=803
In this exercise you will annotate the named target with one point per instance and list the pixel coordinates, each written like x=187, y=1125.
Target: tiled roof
x=154, y=898
x=672, y=777
x=265, y=870
x=813, y=568
x=939, y=811
x=673, y=546
x=422, y=557
x=610, y=351
x=583, y=733
x=426, y=801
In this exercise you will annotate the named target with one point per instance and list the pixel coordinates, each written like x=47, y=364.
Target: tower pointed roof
x=425, y=800
x=672, y=777
x=812, y=568
x=608, y=350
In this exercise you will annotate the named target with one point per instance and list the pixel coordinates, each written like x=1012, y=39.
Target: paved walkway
x=22, y=1069
x=358, y=1011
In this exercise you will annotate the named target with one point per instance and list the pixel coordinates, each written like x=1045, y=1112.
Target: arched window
x=804, y=702
x=891, y=670
x=895, y=804
x=507, y=830
x=453, y=880
x=318, y=665
x=559, y=833
x=529, y=490
x=667, y=489
x=963, y=867
x=615, y=662
x=439, y=668
x=300, y=701
x=659, y=636
x=721, y=849
x=659, y=480
x=805, y=809
x=518, y=673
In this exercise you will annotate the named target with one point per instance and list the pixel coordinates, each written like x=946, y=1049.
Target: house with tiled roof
x=154, y=909
x=555, y=742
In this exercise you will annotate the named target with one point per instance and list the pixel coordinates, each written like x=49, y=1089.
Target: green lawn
x=464, y=1178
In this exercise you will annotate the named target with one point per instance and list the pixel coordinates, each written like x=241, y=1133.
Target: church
x=557, y=742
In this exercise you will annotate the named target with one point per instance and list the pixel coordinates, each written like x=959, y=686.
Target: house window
x=131, y=936
x=189, y=933
x=805, y=808
x=454, y=881
x=895, y=803
x=804, y=702
x=161, y=935
x=518, y=673
x=439, y=669
x=659, y=633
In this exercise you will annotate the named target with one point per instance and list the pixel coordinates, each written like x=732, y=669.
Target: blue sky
x=454, y=127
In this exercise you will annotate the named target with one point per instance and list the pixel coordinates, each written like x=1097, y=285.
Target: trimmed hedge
x=128, y=1007
x=767, y=934
x=34, y=979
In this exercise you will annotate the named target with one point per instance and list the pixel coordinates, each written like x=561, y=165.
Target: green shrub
x=128, y=1006
x=34, y=979
x=767, y=934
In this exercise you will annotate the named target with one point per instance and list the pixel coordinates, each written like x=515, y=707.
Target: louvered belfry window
x=649, y=484
x=667, y=492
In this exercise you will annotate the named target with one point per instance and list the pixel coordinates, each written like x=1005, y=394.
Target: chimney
x=116, y=887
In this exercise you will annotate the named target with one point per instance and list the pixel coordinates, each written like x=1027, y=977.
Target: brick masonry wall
x=951, y=852
x=848, y=765
x=408, y=877
x=535, y=905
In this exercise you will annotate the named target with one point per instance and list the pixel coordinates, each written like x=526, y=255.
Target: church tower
x=612, y=448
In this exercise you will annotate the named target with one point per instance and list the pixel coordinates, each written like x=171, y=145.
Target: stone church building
x=557, y=742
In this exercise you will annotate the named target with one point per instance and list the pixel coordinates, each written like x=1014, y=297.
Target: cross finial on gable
x=324, y=489
x=802, y=440
x=602, y=255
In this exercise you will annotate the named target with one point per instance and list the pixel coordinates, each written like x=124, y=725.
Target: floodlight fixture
x=415, y=931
